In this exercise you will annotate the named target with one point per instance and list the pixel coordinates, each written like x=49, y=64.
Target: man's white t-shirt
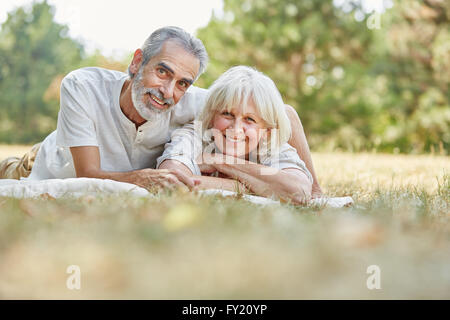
x=90, y=115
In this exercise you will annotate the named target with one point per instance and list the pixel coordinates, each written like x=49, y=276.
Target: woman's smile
x=236, y=133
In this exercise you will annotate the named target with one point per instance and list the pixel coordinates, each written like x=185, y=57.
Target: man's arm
x=206, y=182
x=299, y=142
x=86, y=160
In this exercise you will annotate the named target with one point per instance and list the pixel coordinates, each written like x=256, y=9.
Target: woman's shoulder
x=285, y=152
x=287, y=157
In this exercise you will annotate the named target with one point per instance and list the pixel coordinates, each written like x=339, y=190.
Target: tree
x=418, y=68
x=33, y=50
x=352, y=86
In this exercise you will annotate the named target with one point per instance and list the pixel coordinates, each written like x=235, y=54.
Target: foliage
x=355, y=88
x=35, y=54
x=33, y=50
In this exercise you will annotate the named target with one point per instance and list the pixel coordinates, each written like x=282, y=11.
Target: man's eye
x=183, y=84
x=161, y=71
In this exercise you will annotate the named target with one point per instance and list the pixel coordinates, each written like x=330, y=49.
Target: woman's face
x=237, y=133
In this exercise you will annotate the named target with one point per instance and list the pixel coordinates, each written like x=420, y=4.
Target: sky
x=117, y=28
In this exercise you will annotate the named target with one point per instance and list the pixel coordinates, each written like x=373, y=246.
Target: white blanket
x=336, y=202
x=76, y=187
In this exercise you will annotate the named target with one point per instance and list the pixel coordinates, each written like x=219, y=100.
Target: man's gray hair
x=152, y=46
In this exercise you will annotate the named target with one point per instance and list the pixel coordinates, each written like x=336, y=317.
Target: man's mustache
x=158, y=94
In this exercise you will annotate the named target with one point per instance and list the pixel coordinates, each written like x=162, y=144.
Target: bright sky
x=119, y=27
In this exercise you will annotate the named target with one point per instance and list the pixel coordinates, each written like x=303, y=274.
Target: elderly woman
x=240, y=142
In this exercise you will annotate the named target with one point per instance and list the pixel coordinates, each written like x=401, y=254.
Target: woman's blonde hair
x=235, y=87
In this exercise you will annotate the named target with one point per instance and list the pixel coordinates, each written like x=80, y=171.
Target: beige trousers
x=15, y=168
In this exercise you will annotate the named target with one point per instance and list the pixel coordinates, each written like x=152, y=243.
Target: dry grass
x=190, y=246
x=13, y=150
x=368, y=173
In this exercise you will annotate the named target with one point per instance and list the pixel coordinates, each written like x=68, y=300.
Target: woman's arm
x=287, y=184
x=206, y=182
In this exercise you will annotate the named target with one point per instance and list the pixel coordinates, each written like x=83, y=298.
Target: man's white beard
x=146, y=110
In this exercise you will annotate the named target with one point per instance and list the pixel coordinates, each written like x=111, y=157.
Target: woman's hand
x=206, y=168
x=209, y=162
x=205, y=162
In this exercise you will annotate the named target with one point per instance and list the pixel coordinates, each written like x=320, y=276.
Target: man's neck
x=127, y=107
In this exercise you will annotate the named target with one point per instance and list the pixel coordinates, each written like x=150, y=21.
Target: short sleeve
x=184, y=146
x=75, y=119
x=287, y=157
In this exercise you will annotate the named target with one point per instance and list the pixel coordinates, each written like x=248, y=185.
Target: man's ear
x=136, y=62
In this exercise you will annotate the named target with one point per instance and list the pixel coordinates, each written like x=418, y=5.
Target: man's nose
x=167, y=89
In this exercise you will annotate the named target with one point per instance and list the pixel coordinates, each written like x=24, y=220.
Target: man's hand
x=86, y=160
x=164, y=178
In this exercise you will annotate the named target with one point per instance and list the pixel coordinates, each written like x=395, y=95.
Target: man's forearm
x=128, y=177
x=86, y=160
x=147, y=178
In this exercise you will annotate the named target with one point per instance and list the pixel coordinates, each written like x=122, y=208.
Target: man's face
x=162, y=82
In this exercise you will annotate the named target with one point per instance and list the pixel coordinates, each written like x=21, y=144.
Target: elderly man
x=114, y=126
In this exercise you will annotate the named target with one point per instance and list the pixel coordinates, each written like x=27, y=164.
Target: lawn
x=13, y=150
x=187, y=246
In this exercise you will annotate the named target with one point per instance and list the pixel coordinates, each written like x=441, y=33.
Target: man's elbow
x=87, y=173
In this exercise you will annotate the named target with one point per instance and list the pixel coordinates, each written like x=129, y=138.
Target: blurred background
x=364, y=75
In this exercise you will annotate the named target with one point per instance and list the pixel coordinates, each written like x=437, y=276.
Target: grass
x=187, y=246
x=13, y=150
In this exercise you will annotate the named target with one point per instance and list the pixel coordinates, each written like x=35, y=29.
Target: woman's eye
x=226, y=113
x=251, y=119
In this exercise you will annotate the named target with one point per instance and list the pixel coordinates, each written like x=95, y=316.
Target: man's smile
x=157, y=102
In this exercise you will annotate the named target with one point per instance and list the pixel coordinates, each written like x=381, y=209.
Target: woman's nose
x=238, y=126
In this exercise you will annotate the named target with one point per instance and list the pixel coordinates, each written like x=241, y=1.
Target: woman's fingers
x=206, y=168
